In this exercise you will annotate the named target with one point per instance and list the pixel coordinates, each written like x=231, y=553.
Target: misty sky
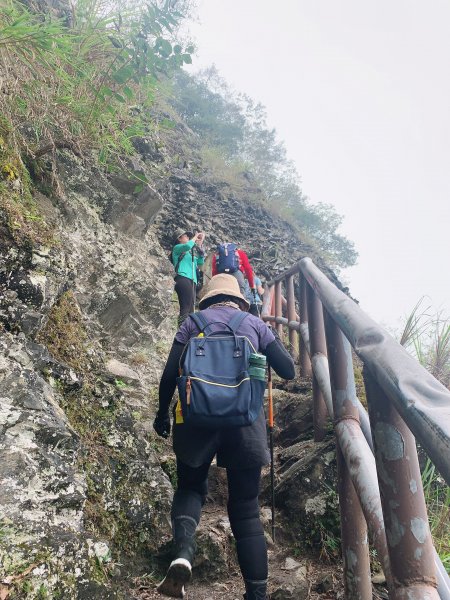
x=360, y=94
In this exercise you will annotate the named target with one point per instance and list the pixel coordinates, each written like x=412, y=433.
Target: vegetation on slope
x=237, y=139
x=427, y=337
x=72, y=79
x=85, y=77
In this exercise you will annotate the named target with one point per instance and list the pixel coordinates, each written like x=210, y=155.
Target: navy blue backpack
x=227, y=258
x=215, y=388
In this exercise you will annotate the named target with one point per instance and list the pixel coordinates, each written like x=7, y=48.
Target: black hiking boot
x=255, y=590
x=180, y=569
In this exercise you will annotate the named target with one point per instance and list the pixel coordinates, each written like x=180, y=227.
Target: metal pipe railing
x=355, y=544
x=318, y=349
x=402, y=380
x=354, y=447
x=405, y=514
x=422, y=401
x=305, y=362
x=291, y=315
x=278, y=308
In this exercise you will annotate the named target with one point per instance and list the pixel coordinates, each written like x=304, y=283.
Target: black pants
x=185, y=289
x=243, y=512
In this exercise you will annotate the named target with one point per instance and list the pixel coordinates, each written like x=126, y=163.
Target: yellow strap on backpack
x=178, y=414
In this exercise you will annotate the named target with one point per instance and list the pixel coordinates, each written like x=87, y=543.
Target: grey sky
x=360, y=93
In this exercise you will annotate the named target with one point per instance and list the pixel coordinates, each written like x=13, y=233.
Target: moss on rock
x=20, y=218
x=64, y=334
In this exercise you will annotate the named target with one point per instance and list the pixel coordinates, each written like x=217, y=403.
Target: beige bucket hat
x=223, y=284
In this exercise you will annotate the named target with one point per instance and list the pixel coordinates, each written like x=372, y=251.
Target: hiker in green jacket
x=187, y=255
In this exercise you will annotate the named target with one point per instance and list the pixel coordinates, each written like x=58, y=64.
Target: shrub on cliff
x=235, y=134
x=74, y=79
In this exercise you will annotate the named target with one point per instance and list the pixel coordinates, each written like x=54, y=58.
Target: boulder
x=121, y=371
x=305, y=494
x=293, y=417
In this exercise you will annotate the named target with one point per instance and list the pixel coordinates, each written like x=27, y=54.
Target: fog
x=360, y=94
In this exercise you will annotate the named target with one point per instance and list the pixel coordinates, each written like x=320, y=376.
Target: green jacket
x=185, y=267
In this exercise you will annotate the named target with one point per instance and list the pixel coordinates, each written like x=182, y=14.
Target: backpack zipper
x=188, y=384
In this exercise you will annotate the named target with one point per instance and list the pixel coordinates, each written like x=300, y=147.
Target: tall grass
x=75, y=79
x=427, y=336
x=437, y=496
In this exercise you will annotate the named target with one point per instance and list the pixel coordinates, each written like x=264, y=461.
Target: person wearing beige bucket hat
x=224, y=285
x=187, y=255
x=242, y=451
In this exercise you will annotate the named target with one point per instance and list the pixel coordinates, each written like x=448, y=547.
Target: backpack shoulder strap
x=236, y=321
x=180, y=258
x=199, y=320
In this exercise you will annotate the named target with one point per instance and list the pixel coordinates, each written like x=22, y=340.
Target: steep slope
x=87, y=317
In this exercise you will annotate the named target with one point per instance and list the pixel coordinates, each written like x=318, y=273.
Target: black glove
x=161, y=425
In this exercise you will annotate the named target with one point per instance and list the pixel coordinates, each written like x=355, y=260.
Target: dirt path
x=314, y=579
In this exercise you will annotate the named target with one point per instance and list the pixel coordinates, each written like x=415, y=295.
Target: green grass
x=437, y=498
x=73, y=82
x=427, y=337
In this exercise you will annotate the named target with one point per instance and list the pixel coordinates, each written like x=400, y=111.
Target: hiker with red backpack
x=187, y=255
x=230, y=259
x=220, y=351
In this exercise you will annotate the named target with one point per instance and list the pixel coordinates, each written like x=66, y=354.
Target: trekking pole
x=194, y=287
x=272, y=473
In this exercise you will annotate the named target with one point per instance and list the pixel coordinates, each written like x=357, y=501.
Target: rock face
x=87, y=320
x=305, y=493
x=42, y=493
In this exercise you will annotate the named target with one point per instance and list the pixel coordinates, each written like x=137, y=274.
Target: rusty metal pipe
x=267, y=300
x=367, y=486
x=421, y=400
x=274, y=319
x=278, y=308
x=318, y=350
x=291, y=315
x=443, y=580
x=361, y=465
x=322, y=373
x=305, y=362
x=408, y=534
x=320, y=366
x=355, y=449
x=355, y=547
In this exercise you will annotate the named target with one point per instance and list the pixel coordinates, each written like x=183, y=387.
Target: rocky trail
x=294, y=571
x=216, y=573
x=86, y=322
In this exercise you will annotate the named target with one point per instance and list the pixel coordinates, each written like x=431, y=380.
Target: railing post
x=272, y=303
x=278, y=308
x=291, y=316
x=409, y=539
x=318, y=347
x=267, y=301
x=355, y=547
x=305, y=362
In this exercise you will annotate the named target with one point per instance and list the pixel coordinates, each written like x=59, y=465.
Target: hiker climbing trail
x=294, y=573
x=358, y=492
x=86, y=325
